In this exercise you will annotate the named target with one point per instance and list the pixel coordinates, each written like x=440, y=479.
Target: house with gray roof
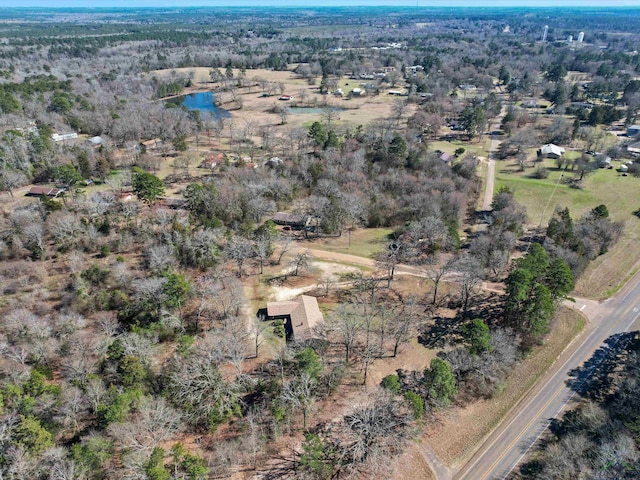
x=550, y=150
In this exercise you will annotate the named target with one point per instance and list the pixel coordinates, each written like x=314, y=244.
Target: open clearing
x=607, y=273
x=364, y=242
x=255, y=108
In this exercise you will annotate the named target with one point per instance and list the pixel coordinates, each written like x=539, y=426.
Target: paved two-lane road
x=506, y=447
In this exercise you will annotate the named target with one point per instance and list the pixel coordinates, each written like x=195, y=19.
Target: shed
x=152, y=144
x=602, y=160
x=291, y=219
x=633, y=130
x=623, y=168
x=273, y=162
x=550, y=150
x=48, y=191
x=173, y=202
x=445, y=157
x=634, y=148
x=95, y=141
x=212, y=161
x=63, y=137
x=300, y=316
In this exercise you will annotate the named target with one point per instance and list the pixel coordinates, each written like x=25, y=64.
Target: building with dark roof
x=291, y=219
x=48, y=191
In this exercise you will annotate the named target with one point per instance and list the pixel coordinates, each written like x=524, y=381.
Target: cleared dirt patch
x=411, y=465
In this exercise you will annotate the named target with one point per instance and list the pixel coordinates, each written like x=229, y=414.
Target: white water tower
x=545, y=32
x=581, y=37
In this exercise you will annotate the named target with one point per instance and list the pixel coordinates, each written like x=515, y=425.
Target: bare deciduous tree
x=347, y=326
x=239, y=250
x=258, y=330
x=437, y=272
x=156, y=422
x=470, y=275
x=300, y=262
x=299, y=393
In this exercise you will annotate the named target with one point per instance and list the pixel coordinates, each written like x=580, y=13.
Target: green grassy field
x=364, y=243
x=480, y=148
x=608, y=272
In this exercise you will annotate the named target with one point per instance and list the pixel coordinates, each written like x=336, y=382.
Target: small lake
x=203, y=101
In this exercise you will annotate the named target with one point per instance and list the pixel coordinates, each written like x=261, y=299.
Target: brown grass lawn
x=357, y=111
x=460, y=431
x=411, y=465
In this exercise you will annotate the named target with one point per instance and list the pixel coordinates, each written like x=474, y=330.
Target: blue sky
x=315, y=3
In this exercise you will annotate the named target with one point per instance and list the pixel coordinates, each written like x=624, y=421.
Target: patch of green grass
x=478, y=148
x=602, y=186
x=609, y=272
x=616, y=288
x=364, y=243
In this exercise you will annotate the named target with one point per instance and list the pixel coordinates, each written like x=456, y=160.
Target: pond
x=204, y=102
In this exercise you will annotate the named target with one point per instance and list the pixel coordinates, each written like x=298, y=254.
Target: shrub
x=95, y=275
x=415, y=403
x=540, y=172
x=278, y=328
x=391, y=383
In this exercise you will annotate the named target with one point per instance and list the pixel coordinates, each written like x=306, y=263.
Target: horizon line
x=250, y=4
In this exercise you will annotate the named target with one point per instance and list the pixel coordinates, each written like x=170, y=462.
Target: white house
x=62, y=137
x=550, y=150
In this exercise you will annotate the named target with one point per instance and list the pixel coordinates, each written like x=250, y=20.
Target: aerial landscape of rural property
x=360, y=240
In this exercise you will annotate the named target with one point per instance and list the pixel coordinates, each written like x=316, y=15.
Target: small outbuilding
x=634, y=148
x=63, y=137
x=550, y=150
x=174, y=203
x=602, y=160
x=633, y=130
x=95, y=142
x=445, y=157
x=296, y=220
x=50, y=192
